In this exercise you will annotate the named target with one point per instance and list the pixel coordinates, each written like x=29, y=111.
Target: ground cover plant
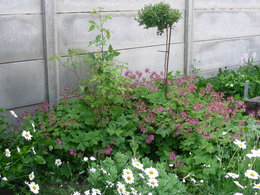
x=194, y=133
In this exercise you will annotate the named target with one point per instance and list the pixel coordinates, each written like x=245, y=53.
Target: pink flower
x=160, y=109
x=59, y=142
x=72, y=152
x=193, y=122
x=172, y=156
x=147, y=70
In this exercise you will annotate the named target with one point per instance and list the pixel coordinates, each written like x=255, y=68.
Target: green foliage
x=232, y=82
x=160, y=15
x=106, y=176
x=4, y=127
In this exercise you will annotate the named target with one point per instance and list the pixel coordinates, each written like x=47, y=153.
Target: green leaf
x=108, y=34
x=54, y=58
x=40, y=160
x=110, y=49
x=91, y=28
x=91, y=22
x=116, y=53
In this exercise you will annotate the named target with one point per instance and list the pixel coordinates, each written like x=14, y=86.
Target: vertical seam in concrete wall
x=188, y=36
x=50, y=49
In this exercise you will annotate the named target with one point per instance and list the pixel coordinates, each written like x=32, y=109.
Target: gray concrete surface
x=216, y=34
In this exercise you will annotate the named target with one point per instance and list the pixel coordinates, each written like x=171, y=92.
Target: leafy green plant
x=232, y=82
x=123, y=174
x=163, y=17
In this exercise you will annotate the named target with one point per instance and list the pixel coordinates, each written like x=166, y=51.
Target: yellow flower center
x=120, y=190
x=129, y=178
x=153, y=182
x=26, y=135
x=252, y=174
x=151, y=172
x=34, y=187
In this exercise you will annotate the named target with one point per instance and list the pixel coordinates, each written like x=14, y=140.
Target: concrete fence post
x=50, y=49
x=188, y=36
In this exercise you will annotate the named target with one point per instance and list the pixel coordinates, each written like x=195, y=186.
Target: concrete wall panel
x=22, y=84
x=73, y=32
x=218, y=54
x=139, y=59
x=226, y=4
x=111, y=5
x=21, y=38
x=20, y=6
x=225, y=24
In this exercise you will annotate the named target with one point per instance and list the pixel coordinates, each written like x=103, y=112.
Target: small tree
x=163, y=17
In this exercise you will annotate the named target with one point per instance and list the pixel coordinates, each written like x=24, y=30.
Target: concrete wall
x=215, y=33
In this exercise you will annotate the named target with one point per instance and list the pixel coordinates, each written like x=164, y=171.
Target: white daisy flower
x=233, y=175
x=151, y=172
x=193, y=180
x=34, y=187
x=76, y=193
x=237, y=193
x=120, y=188
x=95, y=191
x=85, y=159
x=251, y=174
x=87, y=192
x=224, y=133
x=58, y=162
x=137, y=164
x=92, y=158
x=103, y=171
x=256, y=186
x=13, y=114
x=153, y=183
x=18, y=149
x=4, y=178
x=240, y=144
x=129, y=179
x=250, y=155
x=31, y=176
x=256, y=153
x=150, y=193
x=201, y=181
x=133, y=191
x=127, y=172
x=93, y=170
x=110, y=184
x=27, y=135
x=7, y=153
x=239, y=185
